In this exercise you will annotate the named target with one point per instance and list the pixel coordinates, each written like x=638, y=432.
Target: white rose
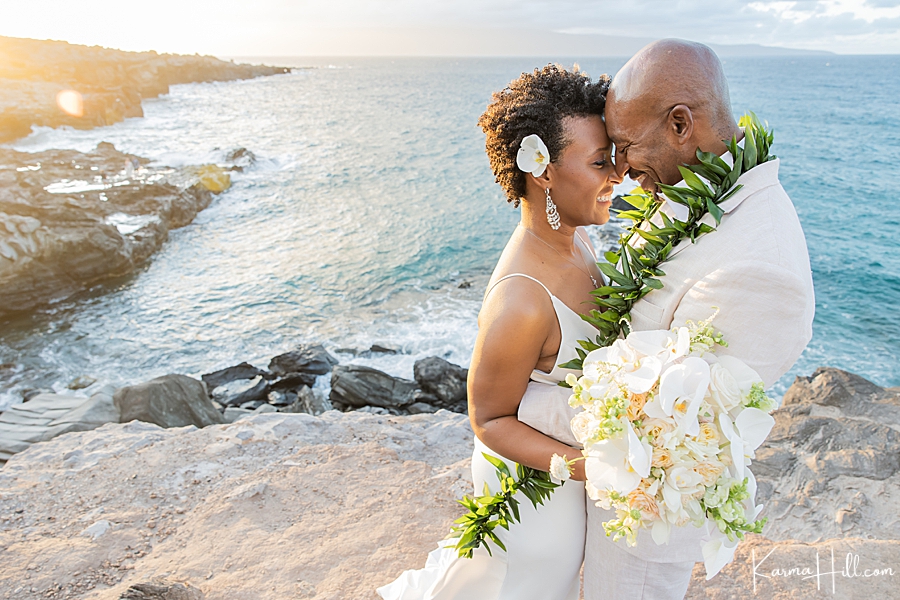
x=583, y=425
x=723, y=388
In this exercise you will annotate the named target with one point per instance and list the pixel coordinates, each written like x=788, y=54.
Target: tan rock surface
x=273, y=507
x=294, y=506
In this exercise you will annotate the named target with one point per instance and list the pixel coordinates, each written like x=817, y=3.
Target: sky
x=380, y=27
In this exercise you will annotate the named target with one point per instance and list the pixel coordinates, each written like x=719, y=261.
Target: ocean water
x=372, y=217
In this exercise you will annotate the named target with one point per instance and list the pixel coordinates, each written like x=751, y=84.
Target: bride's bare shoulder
x=515, y=298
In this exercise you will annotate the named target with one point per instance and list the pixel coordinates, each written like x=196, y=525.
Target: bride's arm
x=513, y=328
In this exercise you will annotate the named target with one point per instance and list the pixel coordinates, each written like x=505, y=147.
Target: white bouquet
x=669, y=430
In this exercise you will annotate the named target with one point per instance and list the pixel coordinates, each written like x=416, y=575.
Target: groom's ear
x=680, y=123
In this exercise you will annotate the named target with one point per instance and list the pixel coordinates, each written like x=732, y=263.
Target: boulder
x=81, y=382
x=831, y=464
x=309, y=401
x=310, y=359
x=47, y=415
x=242, y=371
x=98, y=410
x=168, y=401
x=232, y=414
x=241, y=159
x=240, y=391
x=160, y=589
x=355, y=386
x=445, y=381
x=417, y=408
x=294, y=381
x=279, y=398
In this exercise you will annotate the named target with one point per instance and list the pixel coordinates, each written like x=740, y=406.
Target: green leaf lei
x=489, y=511
x=633, y=273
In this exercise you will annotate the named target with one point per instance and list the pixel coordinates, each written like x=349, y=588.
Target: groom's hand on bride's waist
x=545, y=407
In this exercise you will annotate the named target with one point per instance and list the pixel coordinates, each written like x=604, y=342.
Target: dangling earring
x=552, y=215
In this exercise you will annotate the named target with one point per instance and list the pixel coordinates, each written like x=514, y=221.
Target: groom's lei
x=633, y=273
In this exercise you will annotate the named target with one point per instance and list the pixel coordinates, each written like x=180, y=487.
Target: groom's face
x=643, y=149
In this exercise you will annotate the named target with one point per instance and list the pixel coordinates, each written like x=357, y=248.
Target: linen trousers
x=612, y=573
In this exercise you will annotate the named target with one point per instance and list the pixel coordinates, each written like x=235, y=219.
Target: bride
x=549, y=151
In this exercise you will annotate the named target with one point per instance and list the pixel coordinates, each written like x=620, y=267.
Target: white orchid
x=718, y=552
x=747, y=433
x=681, y=391
x=533, y=156
x=681, y=482
x=642, y=379
x=601, y=362
x=638, y=372
x=619, y=463
x=667, y=346
x=702, y=417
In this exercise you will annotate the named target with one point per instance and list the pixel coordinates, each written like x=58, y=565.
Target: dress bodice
x=571, y=328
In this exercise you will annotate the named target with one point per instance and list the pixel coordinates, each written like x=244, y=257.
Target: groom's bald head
x=668, y=100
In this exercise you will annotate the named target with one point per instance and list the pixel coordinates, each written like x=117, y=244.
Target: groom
x=668, y=100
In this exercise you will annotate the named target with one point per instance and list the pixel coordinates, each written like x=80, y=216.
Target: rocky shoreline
x=69, y=220
x=286, y=385
x=108, y=85
x=288, y=505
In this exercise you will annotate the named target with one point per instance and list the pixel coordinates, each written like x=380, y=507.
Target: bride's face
x=583, y=176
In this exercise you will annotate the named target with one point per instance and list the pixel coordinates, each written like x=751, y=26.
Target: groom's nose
x=622, y=166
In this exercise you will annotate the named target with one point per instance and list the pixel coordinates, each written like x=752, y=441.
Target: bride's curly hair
x=536, y=103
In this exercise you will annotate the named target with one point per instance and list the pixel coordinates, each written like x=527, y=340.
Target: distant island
x=453, y=41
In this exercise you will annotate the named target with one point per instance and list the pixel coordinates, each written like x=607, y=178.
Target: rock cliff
x=100, y=86
x=281, y=505
x=70, y=219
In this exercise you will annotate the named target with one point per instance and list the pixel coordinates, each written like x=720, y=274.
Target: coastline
x=111, y=84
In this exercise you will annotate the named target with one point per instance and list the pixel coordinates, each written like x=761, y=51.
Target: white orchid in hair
x=533, y=156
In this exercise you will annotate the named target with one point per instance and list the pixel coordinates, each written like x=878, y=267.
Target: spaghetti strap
x=586, y=245
x=546, y=289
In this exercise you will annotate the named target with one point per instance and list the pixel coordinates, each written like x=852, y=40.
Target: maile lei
x=633, y=272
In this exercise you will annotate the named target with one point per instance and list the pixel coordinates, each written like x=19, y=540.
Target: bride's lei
x=633, y=272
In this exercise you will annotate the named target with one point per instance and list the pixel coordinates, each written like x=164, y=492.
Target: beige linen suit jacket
x=755, y=270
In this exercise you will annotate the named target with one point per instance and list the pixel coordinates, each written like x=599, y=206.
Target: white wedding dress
x=544, y=550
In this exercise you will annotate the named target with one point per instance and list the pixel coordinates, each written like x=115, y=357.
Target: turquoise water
x=372, y=206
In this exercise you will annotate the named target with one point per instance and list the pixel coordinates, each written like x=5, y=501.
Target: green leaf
x=714, y=210
x=694, y=182
x=673, y=193
x=632, y=215
x=647, y=236
x=575, y=363
x=611, y=272
x=655, y=284
x=605, y=290
x=499, y=464
x=611, y=257
x=749, y=149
